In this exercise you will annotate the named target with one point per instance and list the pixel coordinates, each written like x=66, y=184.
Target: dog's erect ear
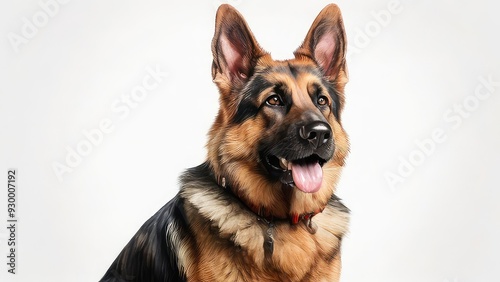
x=234, y=47
x=325, y=42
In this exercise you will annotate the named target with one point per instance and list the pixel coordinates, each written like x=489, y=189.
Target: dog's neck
x=265, y=215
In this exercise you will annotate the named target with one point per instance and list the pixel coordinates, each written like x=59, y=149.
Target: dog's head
x=277, y=140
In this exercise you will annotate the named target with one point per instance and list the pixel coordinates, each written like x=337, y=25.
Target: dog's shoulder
x=152, y=255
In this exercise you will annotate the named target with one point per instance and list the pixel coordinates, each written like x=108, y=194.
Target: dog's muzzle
x=299, y=162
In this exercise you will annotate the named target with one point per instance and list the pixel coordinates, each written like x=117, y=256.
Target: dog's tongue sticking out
x=307, y=177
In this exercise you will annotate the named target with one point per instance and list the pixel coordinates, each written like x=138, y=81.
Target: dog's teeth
x=283, y=163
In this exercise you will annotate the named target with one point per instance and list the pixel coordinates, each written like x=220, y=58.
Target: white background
x=442, y=224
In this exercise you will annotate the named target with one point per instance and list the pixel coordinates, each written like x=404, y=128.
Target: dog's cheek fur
x=241, y=165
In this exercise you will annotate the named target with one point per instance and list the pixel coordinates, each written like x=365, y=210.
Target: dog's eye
x=322, y=100
x=274, y=100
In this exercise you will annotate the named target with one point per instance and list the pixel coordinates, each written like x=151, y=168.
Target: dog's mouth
x=306, y=174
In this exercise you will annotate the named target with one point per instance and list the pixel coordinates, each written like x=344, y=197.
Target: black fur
x=151, y=255
x=247, y=107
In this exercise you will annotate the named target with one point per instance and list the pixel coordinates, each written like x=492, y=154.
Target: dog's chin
x=305, y=174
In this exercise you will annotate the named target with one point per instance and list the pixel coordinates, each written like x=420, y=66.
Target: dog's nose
x=316, y=132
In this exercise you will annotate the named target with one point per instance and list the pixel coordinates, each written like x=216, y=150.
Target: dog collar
x=265, y=214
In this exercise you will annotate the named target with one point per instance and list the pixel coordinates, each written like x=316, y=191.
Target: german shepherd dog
x=262, y=206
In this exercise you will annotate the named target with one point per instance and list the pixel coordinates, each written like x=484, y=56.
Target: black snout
x=316, y=132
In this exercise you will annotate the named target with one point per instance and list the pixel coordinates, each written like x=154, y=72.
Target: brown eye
x=322, y=100
x=274, y=100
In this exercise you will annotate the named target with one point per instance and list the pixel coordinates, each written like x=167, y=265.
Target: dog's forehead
x=291, y=76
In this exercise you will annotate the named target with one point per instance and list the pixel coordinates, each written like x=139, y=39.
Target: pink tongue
x=308, y=177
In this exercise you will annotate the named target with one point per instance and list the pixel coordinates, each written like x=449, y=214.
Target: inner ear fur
x=325, y=43
x=235, y=50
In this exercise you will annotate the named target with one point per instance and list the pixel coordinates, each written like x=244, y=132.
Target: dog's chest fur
x=232, y=243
